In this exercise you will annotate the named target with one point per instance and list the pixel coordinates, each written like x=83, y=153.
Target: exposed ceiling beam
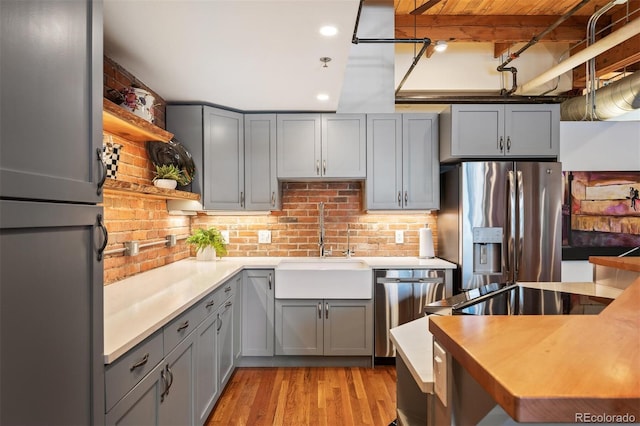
x=423, y=8
x=500, y=48
x=497, y=29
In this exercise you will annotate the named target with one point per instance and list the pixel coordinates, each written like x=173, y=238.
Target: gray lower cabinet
x=207, y=383
x=226, y=356
x=165, y=395
x=403, y=169
x=258, y=313
x=324, y=327
x=494, y=131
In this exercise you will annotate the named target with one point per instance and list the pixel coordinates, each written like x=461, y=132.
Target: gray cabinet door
x=206, y=378
x=185, y=122
x=384, y=161
x=420, y=162
x=299, y=145
x=141, y=406
x=225, y=342
x=176, y=408
x=477, y=131
x=223, y=159
x=237, y=316
x=51, y=314
x=261, y=181
x=51, y=104
x=299, y=327
x=258, y=313
x=344, y=146
x=532, y=130
x=348, y=327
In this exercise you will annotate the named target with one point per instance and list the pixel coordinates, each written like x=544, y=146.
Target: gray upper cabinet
x=403, y=170
x=321, y=146
x=223, y=159
x=261, y=181
x=51, y=105
x=496, y=131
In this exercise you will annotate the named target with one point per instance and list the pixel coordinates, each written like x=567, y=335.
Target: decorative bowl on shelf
x=165, y=183
x=139, y=101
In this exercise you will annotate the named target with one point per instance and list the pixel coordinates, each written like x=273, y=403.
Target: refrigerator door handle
x=520, y=225
x=509, y=253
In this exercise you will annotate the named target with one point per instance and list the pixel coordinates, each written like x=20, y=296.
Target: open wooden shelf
x=112, y=186
x=120, y=122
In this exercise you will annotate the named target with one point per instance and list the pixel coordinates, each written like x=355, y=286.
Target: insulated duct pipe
x=624, y=33
x=614, y=100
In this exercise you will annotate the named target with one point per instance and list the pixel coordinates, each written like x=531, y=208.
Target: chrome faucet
x=323, y=252
x=348, y=252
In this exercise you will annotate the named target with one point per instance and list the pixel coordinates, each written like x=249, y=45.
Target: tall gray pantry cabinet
x=51, y=232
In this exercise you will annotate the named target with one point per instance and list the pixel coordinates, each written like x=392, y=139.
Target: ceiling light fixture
x=324, y=60
x=328, y=31
x=440, y=46
x=322, y=97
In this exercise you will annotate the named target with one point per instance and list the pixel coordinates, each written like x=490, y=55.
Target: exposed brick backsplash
x=295, y=229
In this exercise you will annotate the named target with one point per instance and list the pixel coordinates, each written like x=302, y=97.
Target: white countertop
x=138, y=306
x=414, y=343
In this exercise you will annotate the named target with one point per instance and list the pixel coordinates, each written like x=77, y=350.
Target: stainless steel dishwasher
x=400, y=297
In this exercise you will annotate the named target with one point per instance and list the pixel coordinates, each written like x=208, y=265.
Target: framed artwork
x=600, y=214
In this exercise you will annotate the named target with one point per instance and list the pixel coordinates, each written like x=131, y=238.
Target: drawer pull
x=210, y=304
x=226, y=305
x=140, y=363
x=184, y=326
x=227, y=289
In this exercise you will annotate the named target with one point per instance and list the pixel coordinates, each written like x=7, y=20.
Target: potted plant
x=208, y=243
x=167, y=176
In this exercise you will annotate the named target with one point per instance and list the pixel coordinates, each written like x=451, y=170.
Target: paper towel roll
x=426, y=244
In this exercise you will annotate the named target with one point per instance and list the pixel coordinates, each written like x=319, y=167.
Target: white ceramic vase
x=206, y=253
x=165, y=183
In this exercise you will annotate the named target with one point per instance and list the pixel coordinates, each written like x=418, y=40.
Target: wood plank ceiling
x=507, y=22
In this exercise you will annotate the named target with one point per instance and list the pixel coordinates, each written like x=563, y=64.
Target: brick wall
x=295, y=229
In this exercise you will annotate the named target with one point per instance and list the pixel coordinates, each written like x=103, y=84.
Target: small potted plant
x=208, y=243
x=167, y=176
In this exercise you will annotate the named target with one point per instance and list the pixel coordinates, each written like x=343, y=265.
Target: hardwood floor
x=308, y=396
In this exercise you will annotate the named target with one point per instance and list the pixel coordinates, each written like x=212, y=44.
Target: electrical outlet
x=264, y=237
x=225, y=236
x=399, y=237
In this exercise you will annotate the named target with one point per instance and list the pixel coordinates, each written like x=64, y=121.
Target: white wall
x=596, y=146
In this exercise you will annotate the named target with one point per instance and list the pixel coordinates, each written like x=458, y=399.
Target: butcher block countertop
x=548, y=368
x=625, y=263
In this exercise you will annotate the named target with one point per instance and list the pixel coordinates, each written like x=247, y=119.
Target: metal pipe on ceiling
x=413, y=65
x=624, y=33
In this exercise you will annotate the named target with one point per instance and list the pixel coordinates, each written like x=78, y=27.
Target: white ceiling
x=250, y=55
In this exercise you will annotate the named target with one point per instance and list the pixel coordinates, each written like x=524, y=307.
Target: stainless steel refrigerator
x=501, y=222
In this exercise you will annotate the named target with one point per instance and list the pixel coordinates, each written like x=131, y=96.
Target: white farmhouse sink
x=319, y=278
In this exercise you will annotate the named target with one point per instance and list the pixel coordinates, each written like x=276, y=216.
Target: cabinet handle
x=501, y=144
x=319, y=310
x=219, y=323
x=229, y=303
x=326, y=311
x=241, y=199
x=324, y=167
x=103, y=167
x=273, y=199
x=140, y=363
x=170, y=373
x=318, y=167
x=406, y=198
x=270, y=281
x=508, y=143
x=105, y=234
x=165, y=385
x=210, y=304
x=227, y=289
x=399, y=198
x=184, y=326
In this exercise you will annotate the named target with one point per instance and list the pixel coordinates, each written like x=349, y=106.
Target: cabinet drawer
x=210, y=303
x=181, y=327
x=122, y=375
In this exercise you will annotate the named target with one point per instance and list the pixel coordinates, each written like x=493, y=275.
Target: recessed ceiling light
x=322, y=97
x=328, y=30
